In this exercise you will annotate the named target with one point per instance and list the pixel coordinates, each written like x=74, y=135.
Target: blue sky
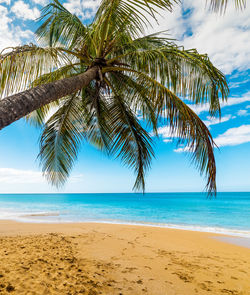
x=225, y=38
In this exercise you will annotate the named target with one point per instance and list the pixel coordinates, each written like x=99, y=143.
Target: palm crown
x=136, y=75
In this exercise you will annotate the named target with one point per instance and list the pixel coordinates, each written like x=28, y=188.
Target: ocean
x=228, y=213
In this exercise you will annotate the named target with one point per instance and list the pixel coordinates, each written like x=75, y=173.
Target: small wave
x=30, y=216
x=60, y=217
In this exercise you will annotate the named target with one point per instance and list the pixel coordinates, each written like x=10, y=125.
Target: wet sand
x=240, y=241
x=112, y=259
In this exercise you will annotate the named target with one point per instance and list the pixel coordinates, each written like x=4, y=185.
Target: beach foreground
x=84, y=258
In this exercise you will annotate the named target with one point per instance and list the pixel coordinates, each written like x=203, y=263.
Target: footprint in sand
x=204, y=287
x=184, y=277
x=168, y=282
x=228, y=291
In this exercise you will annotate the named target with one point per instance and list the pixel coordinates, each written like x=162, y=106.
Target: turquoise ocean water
x=228, y=213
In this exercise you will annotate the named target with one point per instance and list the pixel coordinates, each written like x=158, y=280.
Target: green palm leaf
x=19, y=66
x=185, y=72
x=132, y=143
x=60, y=27
x=60, y=141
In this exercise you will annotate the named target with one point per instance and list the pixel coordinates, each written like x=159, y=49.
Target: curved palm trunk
x=21, y=104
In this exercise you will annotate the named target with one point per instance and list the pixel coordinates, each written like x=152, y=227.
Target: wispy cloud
x=234, y=136
x=183, y=149
x=242, y=113
x=213, y=121
x=167, y=140
x=18, y=176
x=10, y=175
x=237, y=84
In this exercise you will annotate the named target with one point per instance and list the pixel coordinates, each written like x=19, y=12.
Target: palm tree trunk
x=21, y=104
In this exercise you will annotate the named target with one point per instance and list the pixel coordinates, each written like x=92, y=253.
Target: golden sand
x=118, y=259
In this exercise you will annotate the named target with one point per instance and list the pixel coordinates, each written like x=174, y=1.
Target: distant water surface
x=228, y=213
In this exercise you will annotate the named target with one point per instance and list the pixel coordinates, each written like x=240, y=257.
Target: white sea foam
x=56, y=217
x=26, y=216
x=216, y=230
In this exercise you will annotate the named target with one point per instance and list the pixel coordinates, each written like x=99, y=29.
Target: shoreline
x=223, y=236
x=95, y=258
x=31, y=218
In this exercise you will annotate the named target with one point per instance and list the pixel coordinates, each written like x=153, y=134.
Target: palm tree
x=92, y=82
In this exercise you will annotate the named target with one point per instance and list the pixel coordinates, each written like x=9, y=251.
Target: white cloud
x=213, y=121
x=41, y=2
x=242, y=113
x=10, y=175
x=24, y=11
x=4, y=19
x=18, y=176
x=83, y=9
x=10, y=35
x=183, y=149
x=167, y=140
x=237, y=84
x=234, y=136
x=225, y=38
x=5, y=2
x=167, y=133
x=91, y=4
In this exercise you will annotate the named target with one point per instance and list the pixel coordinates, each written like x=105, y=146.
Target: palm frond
x=114, y=17
x=147, y=42
x=132, y=143
x=140, y=9
x=135, y=94
x=60, y=141
x=60, y=27
x=185, y=72
x=39, y=117
x=21, y=65
x=183, y=122
x=68, y=70
x=96, y=109
x=221, y=5
x=187, y=127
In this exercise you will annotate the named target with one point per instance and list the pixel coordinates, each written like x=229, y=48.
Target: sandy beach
x=93, y=259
